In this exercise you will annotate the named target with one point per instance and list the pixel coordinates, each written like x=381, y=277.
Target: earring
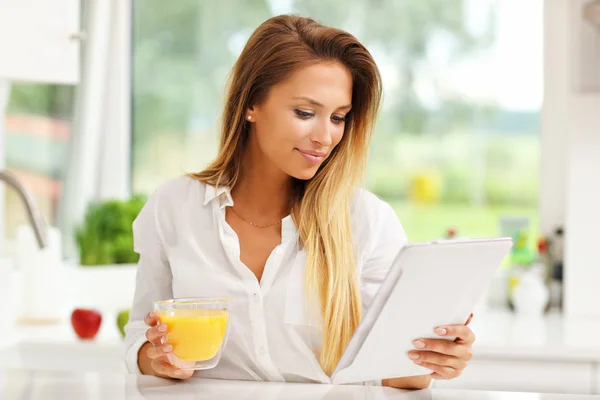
x=249, y=117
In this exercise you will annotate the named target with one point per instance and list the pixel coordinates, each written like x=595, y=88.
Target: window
x=37, y=129
x=457, y=141
x=40, y=52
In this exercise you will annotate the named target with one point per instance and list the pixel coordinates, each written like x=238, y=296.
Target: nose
x=321, y=134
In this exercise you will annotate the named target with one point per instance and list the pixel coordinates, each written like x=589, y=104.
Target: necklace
x=252, y=223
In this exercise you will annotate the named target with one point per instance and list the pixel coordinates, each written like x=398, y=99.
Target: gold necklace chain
x=252, y=223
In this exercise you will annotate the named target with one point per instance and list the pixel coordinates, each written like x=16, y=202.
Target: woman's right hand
x=153, y=356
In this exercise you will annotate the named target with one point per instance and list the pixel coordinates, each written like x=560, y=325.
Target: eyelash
x=306, y=115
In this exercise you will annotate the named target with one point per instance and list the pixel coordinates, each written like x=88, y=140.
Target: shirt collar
x=288, y=229
x=222, y=193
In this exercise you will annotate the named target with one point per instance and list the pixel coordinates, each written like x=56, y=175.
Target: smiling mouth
x=313, y=158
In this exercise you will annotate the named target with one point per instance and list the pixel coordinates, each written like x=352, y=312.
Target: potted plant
x=106, y=235
x=105, y=276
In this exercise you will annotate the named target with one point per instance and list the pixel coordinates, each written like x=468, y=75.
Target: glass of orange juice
x=197, y=328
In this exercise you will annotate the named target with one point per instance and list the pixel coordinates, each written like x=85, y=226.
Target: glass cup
x=197, y=330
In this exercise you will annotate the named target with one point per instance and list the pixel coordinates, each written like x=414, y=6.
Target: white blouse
x=187, y=249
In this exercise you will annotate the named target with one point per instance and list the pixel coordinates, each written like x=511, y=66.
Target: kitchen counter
x=30, y=385
x=549, y=354
x=501, y=334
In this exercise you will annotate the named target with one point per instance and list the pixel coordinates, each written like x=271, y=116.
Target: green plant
x=106, y=235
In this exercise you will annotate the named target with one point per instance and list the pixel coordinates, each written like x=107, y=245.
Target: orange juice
x=195, y=334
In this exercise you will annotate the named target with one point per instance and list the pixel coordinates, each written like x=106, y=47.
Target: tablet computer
x=428, y=285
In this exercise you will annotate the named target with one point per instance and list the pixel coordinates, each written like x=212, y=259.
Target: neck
x=263, y=192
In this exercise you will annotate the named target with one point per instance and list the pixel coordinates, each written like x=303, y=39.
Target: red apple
x=86, y=323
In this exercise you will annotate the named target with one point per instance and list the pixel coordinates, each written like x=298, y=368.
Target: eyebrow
x=316, y=103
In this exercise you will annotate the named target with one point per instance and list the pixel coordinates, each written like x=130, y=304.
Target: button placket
x=258, y=317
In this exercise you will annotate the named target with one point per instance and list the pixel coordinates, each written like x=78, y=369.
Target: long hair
x=321, y=207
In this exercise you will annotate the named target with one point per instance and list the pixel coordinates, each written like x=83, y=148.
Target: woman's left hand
x=446, y=359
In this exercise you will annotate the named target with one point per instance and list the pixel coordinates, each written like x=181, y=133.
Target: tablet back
x=428, y=285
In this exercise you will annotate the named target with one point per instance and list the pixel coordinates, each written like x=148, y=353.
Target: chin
x=305, y=174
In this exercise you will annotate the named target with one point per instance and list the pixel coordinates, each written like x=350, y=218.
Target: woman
x=277, y=222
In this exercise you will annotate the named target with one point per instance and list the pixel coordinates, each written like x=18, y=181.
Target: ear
x=250, y=114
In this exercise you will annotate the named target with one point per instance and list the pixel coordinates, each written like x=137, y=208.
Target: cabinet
x=39, y=40
x=588, y=37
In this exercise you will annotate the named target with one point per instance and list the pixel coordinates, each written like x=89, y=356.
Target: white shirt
x=187, y=249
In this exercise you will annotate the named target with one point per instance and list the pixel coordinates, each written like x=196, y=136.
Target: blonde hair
x=321, y=206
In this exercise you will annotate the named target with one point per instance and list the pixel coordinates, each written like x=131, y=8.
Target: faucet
x=35, y=217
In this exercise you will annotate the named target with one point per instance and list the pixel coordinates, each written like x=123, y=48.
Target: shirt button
x=278, y=250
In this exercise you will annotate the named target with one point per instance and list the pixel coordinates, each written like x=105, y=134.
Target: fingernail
x=413, y=356
x=152, y=315
x=419, y=344
x=167, y=348
x=441, y=331
x=418, y=362
x=162, y=328
x=178, y=372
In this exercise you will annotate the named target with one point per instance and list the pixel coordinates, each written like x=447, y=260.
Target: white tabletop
x=30, y=385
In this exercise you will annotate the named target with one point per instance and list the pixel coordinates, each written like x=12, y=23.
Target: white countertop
x=30, y=385
x=501, y=334
x=63, y=333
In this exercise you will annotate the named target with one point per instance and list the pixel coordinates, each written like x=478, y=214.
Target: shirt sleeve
x=153, y=279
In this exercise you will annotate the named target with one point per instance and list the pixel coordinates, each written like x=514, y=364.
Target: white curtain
x=99, y=166
x=4, y=94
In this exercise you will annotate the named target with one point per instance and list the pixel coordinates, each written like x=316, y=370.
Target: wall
x=570, y=191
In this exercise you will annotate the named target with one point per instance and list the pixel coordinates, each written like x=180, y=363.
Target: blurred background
x=457, y=143
x=490, y=126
